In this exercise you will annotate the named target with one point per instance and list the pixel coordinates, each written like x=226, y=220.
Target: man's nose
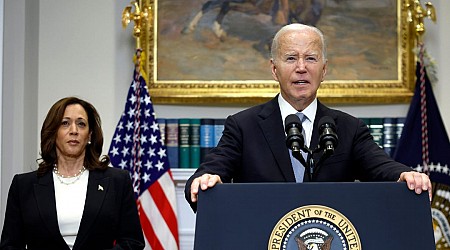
x=301, y=66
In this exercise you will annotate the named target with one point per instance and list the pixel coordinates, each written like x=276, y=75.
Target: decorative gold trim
x=255, y=91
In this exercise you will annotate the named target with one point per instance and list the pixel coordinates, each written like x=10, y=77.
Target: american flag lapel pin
x=100, y=188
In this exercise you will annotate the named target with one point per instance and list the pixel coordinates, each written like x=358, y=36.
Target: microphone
x=293, y=129
x=328, y=139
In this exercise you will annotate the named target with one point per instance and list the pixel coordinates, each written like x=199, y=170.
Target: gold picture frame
x=162, y=37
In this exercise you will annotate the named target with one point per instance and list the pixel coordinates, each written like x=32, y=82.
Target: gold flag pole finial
x=140, y=16
x=416, y=14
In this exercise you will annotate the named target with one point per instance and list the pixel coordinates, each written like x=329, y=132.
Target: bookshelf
x=180, y=175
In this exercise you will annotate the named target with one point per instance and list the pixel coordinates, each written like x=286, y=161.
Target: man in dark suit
x=253, y=148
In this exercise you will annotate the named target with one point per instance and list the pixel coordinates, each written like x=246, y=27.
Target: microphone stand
x=310, y=160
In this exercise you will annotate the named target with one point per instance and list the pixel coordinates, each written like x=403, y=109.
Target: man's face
x=299, y=66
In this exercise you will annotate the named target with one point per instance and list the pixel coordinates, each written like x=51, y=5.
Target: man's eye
x=291, y=58
x=312, y=59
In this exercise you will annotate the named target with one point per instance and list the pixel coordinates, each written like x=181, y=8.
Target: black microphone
x=293, y=129
x=328, y=139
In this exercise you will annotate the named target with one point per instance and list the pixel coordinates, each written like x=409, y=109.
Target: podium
x=320, y=216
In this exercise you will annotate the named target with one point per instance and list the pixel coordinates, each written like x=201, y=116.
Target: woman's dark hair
x=49, y=132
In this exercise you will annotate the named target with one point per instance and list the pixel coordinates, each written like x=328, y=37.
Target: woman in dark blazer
x=74, y=200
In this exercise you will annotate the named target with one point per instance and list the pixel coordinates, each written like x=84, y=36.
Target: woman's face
x=73, y=133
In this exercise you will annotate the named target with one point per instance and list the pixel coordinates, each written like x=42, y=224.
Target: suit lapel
x=44, y=190
x=315, y=133
x=273, y=132
x=98, y=186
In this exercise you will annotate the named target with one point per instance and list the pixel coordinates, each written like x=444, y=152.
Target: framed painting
x=217, y=52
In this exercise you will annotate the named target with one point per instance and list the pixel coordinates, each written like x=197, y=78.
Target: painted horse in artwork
x=281, y=11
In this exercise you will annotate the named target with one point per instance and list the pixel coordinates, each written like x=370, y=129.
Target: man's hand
x=204, y=182
x=417, y=181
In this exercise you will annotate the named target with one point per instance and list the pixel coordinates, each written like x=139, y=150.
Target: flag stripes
x=159, y=225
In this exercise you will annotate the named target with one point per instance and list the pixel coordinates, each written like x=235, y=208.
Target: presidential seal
x=314, y=227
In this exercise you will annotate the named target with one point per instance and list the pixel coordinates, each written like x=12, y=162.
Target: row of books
x=386, y=131
x=188, y=140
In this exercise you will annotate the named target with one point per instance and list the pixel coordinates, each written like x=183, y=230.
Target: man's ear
x=324, y=70
x=274, y=70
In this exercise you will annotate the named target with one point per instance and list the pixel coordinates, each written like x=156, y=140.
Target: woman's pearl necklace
x=62, y=177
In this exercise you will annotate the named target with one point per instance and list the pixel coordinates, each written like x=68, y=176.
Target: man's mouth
x=300, y=82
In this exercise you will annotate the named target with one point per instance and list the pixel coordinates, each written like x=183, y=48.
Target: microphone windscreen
x=327, y=120
x=290, y=120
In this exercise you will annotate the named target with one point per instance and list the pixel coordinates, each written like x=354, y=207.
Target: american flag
x=425, y=146
x=137, y=147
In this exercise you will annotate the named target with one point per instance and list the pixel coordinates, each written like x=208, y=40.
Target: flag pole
x=140, y=16
x=138, y=147
x=415, y=16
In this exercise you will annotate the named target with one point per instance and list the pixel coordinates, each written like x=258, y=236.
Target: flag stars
x=151, y=152
x=135, y=176
x=136, y=138
x=148, y=165
x=125, y=151
x=155, y=126
x=123, y=164
x=419, y=168
x=146, y=177
x=141, y=152
x=439, y=167
x=135, y=146
x=131, y=112
x=127, y=138
x=145, y=126
x=117, y=139
x=135, y=85
x=143, y=139
x=147, y=100
x=120, y=126
x=129, y=126
x=132, y=99
x=160, y=165
x=445, y=169
x=147, y=113
x=162, y=153
x=432, y=167
x=114, y=151
x=133, y=153
x=153, y=139
x=138, y=164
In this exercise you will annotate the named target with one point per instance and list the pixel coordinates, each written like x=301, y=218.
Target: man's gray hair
x=296, y=27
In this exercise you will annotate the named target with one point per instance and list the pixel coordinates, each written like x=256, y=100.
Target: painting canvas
x=216, y=51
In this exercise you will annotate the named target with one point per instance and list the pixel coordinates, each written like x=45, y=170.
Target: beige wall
x=56, y=48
